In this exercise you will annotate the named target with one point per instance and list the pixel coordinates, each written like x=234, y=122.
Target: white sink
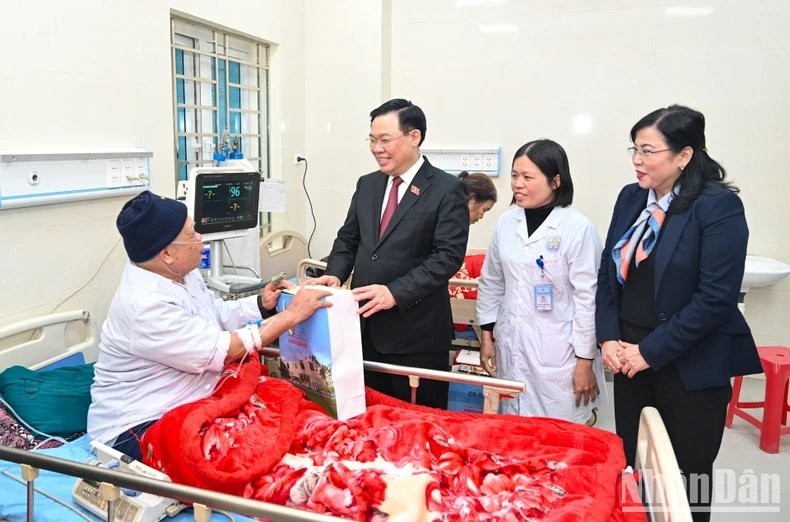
x=762, y=271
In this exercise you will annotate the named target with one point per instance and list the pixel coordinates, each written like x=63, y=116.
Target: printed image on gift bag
x=323, y=355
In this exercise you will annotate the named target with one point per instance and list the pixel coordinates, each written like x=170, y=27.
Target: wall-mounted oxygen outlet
x=297, y=158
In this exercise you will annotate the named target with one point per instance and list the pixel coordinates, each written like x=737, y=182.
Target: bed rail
x=51, y=345
x=203, y=500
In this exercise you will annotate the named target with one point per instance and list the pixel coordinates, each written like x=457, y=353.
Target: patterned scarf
x=639, y=240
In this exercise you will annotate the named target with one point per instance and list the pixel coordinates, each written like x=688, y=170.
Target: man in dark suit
x=404, y=238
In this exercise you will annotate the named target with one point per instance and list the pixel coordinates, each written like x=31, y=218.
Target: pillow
x=54, y=402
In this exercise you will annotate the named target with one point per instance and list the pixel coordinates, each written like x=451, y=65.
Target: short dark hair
x=478, y=186
x=550, y=158
x=410, y=116
x=684, y=127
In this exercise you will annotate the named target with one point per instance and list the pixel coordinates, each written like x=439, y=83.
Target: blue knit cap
x=148, y=223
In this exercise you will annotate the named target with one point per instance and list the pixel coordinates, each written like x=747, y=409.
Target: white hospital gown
x=162, y=345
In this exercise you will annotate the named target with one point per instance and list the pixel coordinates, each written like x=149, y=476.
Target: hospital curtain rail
x=211, y=499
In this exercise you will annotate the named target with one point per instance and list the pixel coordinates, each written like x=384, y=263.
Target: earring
x=682, y=167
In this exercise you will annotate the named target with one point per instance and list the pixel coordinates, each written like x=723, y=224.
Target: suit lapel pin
x=415, y=190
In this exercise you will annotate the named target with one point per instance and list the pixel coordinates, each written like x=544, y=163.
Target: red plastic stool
x=776, y=363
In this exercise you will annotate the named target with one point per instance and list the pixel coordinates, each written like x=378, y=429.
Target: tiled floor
x=740, y=456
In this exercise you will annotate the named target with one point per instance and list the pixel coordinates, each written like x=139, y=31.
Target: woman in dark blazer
x=666, y=305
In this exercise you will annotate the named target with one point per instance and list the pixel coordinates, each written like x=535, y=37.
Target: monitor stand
x=227, y=283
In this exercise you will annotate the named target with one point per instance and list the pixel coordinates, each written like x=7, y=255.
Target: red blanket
x=258, y=437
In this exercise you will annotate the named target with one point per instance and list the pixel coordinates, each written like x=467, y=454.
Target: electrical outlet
x=489, y=161
x=477, y=162
x=297, y=158
x=114, y=173
x=127, y=172
x=141, y=176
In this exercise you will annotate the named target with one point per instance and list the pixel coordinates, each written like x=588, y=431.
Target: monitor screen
x=226, y=201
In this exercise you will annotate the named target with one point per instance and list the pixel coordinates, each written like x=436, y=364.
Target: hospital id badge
x=543, y=298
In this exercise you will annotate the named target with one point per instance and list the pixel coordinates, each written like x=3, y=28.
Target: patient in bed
x=167, y=338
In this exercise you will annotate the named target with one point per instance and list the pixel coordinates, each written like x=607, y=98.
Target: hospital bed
x=69, y=337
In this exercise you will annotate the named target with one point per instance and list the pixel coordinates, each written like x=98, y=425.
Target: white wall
x=333, y=62
x=612, y=62
x=94, y=74
x=343, y=49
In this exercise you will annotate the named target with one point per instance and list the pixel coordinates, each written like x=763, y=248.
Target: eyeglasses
x=381, y=141
x=195, y=242
x=644, y=154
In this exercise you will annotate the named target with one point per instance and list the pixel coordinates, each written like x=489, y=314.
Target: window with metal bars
x=220, y=94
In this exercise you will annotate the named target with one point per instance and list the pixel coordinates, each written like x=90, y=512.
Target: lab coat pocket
x=554, y=341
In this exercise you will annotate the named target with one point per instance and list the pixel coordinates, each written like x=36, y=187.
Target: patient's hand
x=324, y=280
x=271, y=293
x=306, y=301
x=488, y=353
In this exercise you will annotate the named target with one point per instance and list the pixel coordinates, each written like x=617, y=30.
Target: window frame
x=220, y=82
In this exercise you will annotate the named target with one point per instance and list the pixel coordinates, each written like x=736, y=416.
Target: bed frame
x=68, y=338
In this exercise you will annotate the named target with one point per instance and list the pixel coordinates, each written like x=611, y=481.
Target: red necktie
x=392, y=204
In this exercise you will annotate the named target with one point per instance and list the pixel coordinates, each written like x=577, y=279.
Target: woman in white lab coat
x=536, y=298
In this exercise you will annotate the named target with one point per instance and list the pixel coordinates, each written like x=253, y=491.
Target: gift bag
x=323, y=355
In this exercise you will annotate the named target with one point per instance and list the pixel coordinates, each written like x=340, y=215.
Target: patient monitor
x=224, y=203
